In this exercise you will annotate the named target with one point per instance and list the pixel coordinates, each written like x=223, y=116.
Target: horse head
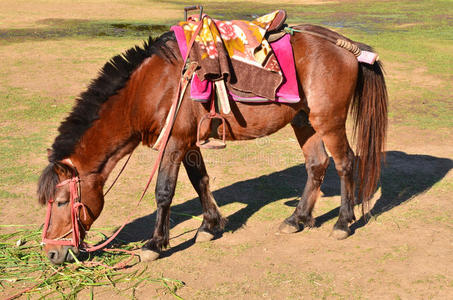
x=73, y=204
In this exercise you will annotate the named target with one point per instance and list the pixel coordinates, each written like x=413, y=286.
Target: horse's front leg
x=212, y=219
x=165, y=190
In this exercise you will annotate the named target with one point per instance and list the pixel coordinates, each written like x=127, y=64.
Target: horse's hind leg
x=212, y=219
x=343, y=156
x=330, y=125
x=316, y=163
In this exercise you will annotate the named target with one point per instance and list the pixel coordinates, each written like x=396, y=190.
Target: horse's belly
x=250, y=121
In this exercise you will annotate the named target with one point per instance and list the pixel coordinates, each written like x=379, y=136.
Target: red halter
x=74, y=182
x=75, y=205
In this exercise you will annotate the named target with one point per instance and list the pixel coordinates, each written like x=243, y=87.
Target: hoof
x=309, y=222
x=203, y=236
x=148, y=255
x=340, y=234
x=287, y=228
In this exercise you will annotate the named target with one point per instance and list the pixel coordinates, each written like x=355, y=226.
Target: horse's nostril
x=52, y=255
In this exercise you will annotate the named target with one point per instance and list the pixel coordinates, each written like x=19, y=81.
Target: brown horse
x=128, y=104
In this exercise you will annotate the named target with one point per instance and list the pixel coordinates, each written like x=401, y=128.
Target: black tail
x=369, y=110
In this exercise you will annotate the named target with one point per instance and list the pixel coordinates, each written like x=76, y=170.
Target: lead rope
x=184, y=81
x=119, y=173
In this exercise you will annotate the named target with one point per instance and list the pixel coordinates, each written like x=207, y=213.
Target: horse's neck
x=126, y=118
x=109, y=139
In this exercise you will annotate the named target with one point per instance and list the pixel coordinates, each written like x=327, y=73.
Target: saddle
x=235, y=58
x=244, y=61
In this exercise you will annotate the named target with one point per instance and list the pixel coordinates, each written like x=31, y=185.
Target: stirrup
x=211, y=143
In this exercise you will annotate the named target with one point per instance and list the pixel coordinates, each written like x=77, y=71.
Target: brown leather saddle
x=274, y=32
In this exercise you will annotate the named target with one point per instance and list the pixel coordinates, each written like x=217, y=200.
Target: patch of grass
x=19, y=105
x=435, y=281
x=239, y=249
x=7, y=194
x=445, y=185
x=70, y=28
x=11, y=175
x=22, y=264
x=322, y=285
x=275, y=211
x=231, y=208
x=430, y=114
x=397, y=253
x=214, y=252
x=27, y=114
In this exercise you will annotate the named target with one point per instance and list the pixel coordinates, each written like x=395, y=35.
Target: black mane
x=113, y=77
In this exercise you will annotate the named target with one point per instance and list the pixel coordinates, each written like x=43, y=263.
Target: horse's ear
x=68, y=162
x=49, y=152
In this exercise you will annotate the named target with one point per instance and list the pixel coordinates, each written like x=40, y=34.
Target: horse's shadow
x=403, y=177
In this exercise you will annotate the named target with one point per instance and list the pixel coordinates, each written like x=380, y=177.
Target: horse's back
x=326, y=75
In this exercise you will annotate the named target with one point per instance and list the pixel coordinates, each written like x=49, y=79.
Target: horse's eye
x=62, y=203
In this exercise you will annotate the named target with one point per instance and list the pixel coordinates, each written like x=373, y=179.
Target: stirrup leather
x=212, y=143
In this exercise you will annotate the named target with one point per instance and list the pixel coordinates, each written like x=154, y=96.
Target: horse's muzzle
x=60, y=255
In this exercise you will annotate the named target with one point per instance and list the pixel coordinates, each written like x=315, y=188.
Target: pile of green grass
x=23, y=266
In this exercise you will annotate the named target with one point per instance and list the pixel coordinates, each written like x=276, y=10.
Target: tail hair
x=369, y=111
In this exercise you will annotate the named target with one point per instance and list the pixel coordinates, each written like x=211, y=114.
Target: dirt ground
x=405, y=250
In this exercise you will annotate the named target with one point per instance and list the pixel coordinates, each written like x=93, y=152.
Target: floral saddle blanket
x=237, y=54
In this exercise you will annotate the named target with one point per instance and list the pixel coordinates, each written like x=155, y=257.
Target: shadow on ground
x=403, y=177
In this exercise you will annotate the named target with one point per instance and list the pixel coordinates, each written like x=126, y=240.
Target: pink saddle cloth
x=287, y=91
